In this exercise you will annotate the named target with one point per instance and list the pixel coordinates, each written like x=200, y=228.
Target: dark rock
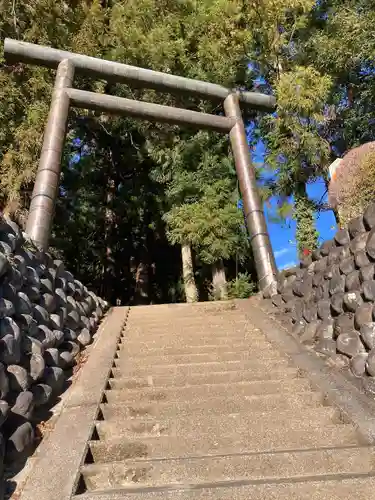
x=342, y=237
x=10, y=351
x=370, y=365
x=52, y=357
x=352, y=300
x=317, y=280
x=9, y=326
x=64, y=312
x=72, y=321
x=84, y=338
x=48, y=301
x=47, y=286
x=358, y=364
x=326, y=346
x=7, y=291
x=4, y=412
x=5, y=248
x=324, y=309
x=70, y=346
x=70, y=288
x=23, y=304
x=316, y=255
x=42, y=394
x=367, y=273
x=94, y=324
x=20, y=263
x=41, y=316
x=361, y=259
x=325, y=329
x=368, y=334
x=24, y=405
x=305, y=262
x=46, y=336
x=363, y=315
x=6, y=308
x=297, y=311
x=322, y=292
x=4, y=264
x=61, y=283
x=56, y=322
x=352, y=282
x=16, y=279
x=329, y=273
x=20, y=443
x=71, y=303
x=350, y=344
x=60, y=297
x=359, y=243
x=369, y=216
x=37, y=366
x=326, y=247
x=334, y=256
x=321, y=265
x=337, y=284
x=337, y=303
x=72, y=335
x=370, y=245
x=18, y=378
x=32, y=277
x=309, y=312
x=343, y=323
x=347, y=265
x=59, y=267
x=27, y=324
x=31, y=345
x=59, y=337
x=32, y=292
x=55, y=378
x=356, y=227
x=4, y=382
x=368, y=290
x=66, y=359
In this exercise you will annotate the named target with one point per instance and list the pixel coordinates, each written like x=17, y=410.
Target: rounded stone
x=42, y=394
x=32, y=277
x=326, y=247
x=352, y=282
x=329, y=273
x=337, y=284
x=70, y=346
x=367, y=273
x=356, y=227
x=23, y=304
x=59, y=337
x=358, y=364
x=326, y=346
x=4, y=411
x=368, y=290
x=7, y=291
x=318, y=280
x=24, y=405
x=33, y=293
x=308, y=333
x=60, y=297
x=363, y=315
x=367, y=333
x=325, y=329
x=324, y=309
x=68, y=276
x=47, y=300
x=61, y=283
x=71, y=303
x=9, y=327
x=343, y=323
x=349, y=343
x=73, y=320
x=359, y=243
x=370, y=244
x=5, y=248
x=337, y=303
x=66, y=359
x=70, y=288
x=4, y=264
x=352, y=300
x=361, y=259
x=59, y=267
x=322, y=292
x=347, y=265
x=69, y=334
x=56, y=321
x=31, y=345
x=52, y=357
x=47, y=286
x=19, y=379
x=342, y=237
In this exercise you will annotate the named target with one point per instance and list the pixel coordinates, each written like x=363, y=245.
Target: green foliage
x=242, y=287
x=306, y=234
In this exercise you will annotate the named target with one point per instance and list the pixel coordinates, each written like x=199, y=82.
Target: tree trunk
x=191, y=291
x=219, y=281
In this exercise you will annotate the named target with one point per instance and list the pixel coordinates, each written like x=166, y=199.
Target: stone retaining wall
x=330, y=298
x=46, y=318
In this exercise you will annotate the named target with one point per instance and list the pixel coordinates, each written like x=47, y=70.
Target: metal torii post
x=45, y=191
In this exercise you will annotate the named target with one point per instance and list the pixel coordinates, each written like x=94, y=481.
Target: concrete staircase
x=200, y=405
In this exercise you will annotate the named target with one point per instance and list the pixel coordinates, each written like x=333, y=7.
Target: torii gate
x=45, y=191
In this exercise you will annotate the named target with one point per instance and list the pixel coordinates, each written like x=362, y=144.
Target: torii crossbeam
x=42, y=207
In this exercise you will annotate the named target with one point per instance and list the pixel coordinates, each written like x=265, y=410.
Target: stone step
x=174, y=341
x=264, y=466
x=243, y=423
x=183, y=349
x=329, y=487
x=254, y=365
x=198, y=358
x=192, y=445
x=121, y=382
x=214, y=406
x=205, y=391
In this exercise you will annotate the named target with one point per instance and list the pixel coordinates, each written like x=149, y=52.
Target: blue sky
x=283, y=235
